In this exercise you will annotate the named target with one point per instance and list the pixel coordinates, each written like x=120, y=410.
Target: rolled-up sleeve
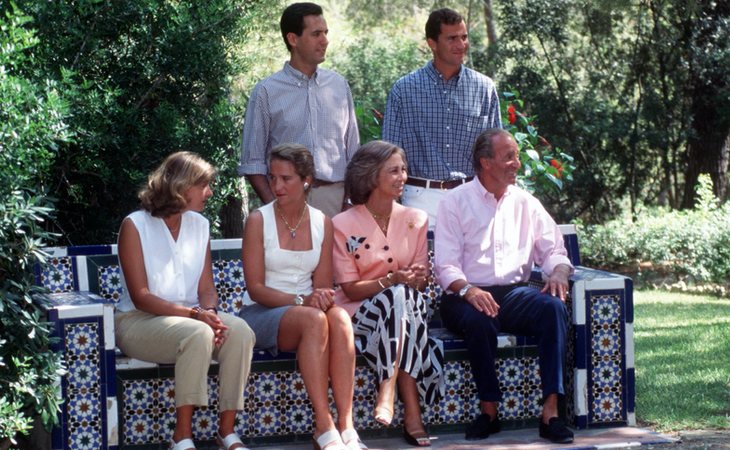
x=256, y=128
x=352, y=138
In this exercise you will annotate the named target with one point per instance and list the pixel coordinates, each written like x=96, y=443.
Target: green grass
x=682, y=360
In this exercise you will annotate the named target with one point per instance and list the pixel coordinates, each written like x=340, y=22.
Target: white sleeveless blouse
x=173, y=267
x=288, y=270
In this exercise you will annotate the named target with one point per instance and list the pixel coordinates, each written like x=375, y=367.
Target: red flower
x=512, y=114
x=558, y=166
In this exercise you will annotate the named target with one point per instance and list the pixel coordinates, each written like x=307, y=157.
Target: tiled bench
x=114, y=401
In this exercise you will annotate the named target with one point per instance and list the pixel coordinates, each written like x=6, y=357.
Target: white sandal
x=352, y=441
x=183, y=444
x=329, y=440
x=225, y=443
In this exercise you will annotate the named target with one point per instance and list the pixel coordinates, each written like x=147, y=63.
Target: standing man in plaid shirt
x=436, y=113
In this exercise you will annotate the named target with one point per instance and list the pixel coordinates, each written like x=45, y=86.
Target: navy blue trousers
x=522, y=310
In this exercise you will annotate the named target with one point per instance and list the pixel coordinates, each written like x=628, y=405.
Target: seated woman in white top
x=287, y=263
x=168, y=313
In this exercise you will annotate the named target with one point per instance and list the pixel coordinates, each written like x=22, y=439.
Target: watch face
x=299, y=300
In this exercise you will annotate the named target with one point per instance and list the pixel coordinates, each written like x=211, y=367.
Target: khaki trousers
x=188, y=343
x=327, y=198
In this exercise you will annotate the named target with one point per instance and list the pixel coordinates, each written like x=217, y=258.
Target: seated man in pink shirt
x=489, y=233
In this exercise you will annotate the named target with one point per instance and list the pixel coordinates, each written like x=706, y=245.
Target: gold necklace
x=378, y=218
x=293, y=230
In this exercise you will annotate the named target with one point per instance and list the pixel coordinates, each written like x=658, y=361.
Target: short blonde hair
x=164, y=193
x=362, y=171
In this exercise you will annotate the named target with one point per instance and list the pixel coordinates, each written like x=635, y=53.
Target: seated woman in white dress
x=287, y=262
x=168, y=313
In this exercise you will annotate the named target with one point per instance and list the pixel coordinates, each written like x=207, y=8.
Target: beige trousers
x=188, y=343
x=327, y=198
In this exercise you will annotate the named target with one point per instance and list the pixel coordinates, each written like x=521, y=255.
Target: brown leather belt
x=437, y=184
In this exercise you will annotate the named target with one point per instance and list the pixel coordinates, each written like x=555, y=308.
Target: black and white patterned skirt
x=400, y=314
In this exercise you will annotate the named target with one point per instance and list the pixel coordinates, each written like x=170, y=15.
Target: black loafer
x=482, y=427
x=556, y=431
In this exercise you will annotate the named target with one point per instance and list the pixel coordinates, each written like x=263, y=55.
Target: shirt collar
x=299, y=76
x=436, y=75
x=488, y=196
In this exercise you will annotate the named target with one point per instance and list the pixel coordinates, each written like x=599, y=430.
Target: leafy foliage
x=371, y=66
x=617, y=85
x=691, y=245
x=143, y=79
x=31, y=128
x=545, y=169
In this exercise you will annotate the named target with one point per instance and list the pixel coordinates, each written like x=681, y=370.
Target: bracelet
x=382, y=286
x=390, y=278
x=195, y=311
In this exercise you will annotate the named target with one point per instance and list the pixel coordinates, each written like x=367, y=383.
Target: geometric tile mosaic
x=228, y=278
x=83, y=385
x=110, y=282
x=277, y=404
x=57, y=275
x=606, y=374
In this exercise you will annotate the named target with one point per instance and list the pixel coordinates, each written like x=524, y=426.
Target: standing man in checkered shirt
x=436, y=113
x=302, y=104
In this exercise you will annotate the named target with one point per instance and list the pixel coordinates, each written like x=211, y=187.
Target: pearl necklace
x=293, y=230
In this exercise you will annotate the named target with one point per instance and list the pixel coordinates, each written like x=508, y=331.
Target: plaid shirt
x=436, y=121
x=316, y=112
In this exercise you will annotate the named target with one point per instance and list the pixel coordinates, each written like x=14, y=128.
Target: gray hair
x=362, y=171
x=483, y=146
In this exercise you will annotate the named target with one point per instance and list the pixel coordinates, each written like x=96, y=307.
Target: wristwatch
x=464, y=290
x=299, y=300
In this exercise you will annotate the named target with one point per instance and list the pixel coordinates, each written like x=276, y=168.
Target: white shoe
x=183, y=444
x=329, y=440
x=225, y=443
x=352, y=441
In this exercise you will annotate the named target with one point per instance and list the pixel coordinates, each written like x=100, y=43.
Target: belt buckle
x=442, y=185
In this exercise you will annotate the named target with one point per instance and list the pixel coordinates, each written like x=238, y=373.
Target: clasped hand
x=219, y=329
x=413, y=276
x=320, y=298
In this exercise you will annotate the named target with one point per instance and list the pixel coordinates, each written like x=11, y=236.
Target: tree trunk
x=489, y=20
x=707, y=153
x=710, y=121
x=234, y=212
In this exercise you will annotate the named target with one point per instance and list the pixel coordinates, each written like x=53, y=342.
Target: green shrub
x=31, y=126
x=691, y=246
x=371, y=65
x=143, y=79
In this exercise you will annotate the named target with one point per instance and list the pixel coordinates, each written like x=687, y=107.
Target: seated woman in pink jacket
x=381, y=265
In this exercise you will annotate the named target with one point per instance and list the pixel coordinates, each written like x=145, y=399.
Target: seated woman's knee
x=241, y=332
x=339, y=319
x=312, y=317
x=199, y=334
